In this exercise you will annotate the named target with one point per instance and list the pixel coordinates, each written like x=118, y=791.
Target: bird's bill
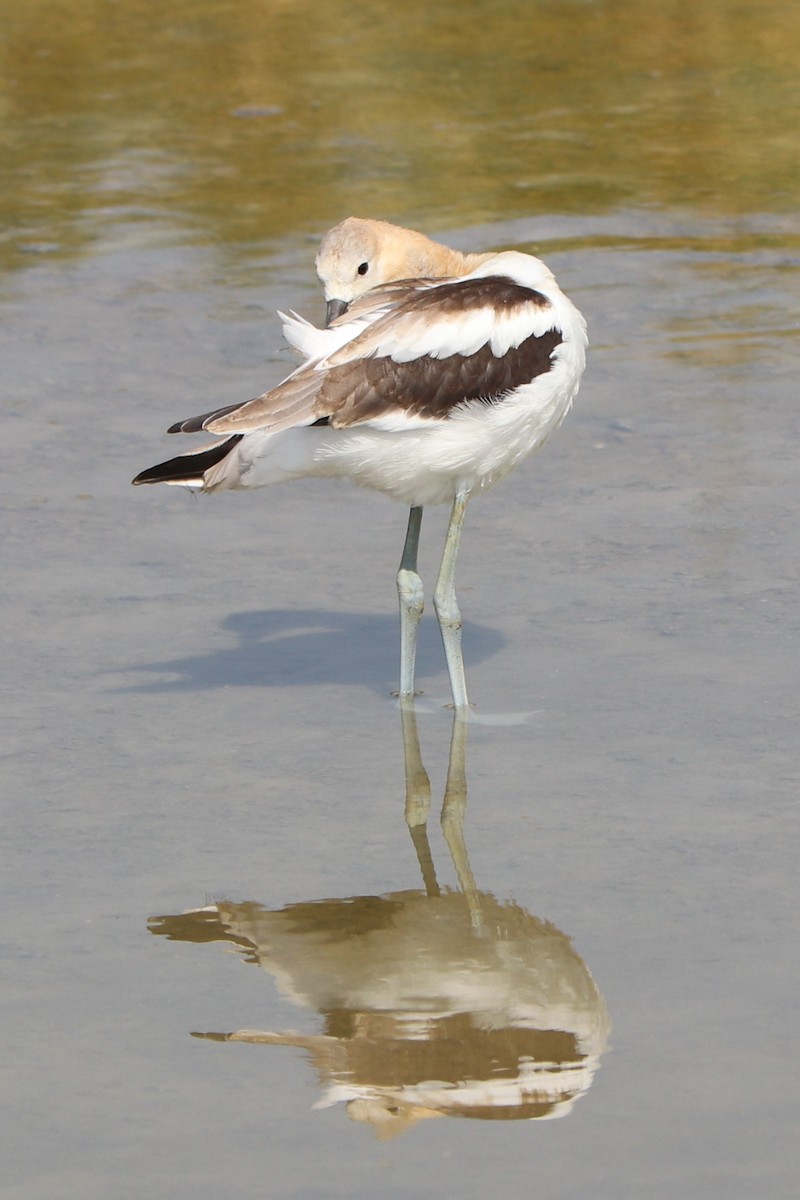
x=334, y=309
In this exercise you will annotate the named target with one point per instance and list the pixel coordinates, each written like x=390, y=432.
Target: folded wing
x=408, y=353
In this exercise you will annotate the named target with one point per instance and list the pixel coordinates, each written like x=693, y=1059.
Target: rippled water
x=198, y=738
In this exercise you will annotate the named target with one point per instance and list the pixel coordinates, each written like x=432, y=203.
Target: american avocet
x=436, y=374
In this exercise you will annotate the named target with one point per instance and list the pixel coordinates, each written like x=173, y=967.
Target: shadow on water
x=277, y=647
x=435, y=1001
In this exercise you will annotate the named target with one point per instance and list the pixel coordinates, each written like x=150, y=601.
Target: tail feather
x=188, y=469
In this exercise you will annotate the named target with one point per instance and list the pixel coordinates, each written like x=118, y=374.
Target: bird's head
x=360, y=254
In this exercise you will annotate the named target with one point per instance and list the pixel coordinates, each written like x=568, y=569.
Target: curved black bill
x=334, y=309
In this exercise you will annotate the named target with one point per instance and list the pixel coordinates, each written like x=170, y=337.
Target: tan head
x=359, y=254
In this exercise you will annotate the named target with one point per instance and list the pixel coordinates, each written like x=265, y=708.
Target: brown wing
x=290, y=402
x=368, y=388
x=359, y=383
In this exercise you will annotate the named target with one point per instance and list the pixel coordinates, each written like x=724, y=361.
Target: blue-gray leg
x=412, y=602
x=444, y=601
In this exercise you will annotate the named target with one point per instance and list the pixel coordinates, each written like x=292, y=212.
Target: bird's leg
x=412, y=602
x=446, y=605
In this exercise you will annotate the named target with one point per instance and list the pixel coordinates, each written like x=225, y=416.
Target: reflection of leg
x=418, y=796
x=454, y=807
x=446, y=605
x=409, y=590
x=418, y=785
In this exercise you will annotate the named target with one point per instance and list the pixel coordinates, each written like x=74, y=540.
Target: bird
x=436, y=374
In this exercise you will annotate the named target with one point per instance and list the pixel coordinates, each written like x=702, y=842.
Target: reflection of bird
x=423, y=1014
x=439, y=372
x=435, y=1002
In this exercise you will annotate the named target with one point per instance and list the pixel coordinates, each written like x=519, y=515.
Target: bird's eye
x=363, y=268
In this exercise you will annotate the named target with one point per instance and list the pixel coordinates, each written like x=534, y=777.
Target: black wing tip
x=187, y=468
x=167, y=472
x=200, y=423
x=192, y=425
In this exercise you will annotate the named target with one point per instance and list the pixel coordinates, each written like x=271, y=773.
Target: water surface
x=199, y=742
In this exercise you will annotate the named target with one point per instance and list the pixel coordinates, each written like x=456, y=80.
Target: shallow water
x=202, y=755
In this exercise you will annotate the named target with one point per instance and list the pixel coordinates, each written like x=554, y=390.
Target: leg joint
x=446, y=605
x=410, y=591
